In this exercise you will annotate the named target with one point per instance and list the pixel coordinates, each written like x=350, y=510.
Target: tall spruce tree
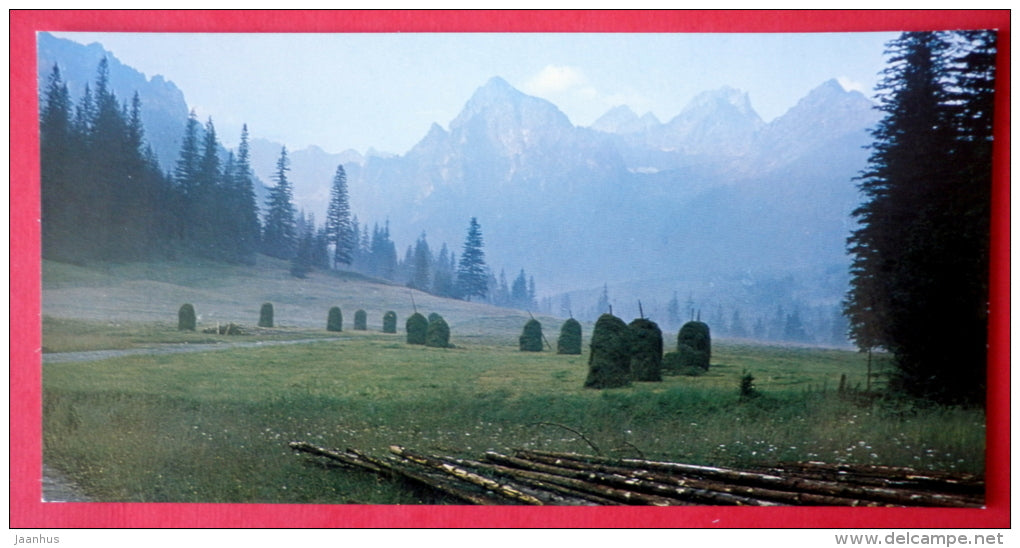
x=340, y=232
x=472, y=276
x=57, y=153
x=186, y=178
x=245, y=208
x=920, y=263
x=421, y=267
x=279, y=237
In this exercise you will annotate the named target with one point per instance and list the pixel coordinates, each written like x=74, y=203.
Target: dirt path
x=97, y=355
x=56, y=487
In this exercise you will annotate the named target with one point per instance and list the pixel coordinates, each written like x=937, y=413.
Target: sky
x=383, y=91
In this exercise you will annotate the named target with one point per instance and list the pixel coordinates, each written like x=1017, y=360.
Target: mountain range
x=714, y=204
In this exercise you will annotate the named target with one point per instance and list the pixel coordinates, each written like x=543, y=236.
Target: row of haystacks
x=622, y=353
x=187, y=320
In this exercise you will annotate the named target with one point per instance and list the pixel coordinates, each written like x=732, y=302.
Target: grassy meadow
x=214, y=426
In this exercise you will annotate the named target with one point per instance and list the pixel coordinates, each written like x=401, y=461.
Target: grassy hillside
x=131, y=298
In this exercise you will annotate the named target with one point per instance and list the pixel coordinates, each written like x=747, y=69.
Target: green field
x=214, y=426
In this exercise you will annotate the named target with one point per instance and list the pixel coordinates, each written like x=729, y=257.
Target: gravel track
x=97, y=355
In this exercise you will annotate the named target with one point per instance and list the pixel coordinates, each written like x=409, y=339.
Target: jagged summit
x=621, y=119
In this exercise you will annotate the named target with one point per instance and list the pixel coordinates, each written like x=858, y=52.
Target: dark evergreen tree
x=443, y=275
x=920, y=252
x=603, y=306
x=609, y=361
x=673, y=310
x=340, y=231
x=569, y=341
x=531, y=338
x=209, y=214
x=421, y=267
x=335, y=319
x=646, y=350
x=471, y=272
x=737, y=327
x=793, y=329
x=279, y=237
x=243, y=209
x=417, y=327
x=58, y=156
x=304, y=255
x=186, y=175
x=389, y=322
x=519, y=295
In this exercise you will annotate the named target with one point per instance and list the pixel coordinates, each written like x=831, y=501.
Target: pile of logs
x=548, y=478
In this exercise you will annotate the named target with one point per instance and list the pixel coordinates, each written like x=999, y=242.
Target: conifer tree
x=340, y=231
x=421, y=267
x=57, y=152
x=472, y=277
x=920, y=253
x=279, y=238
x=186, y=179
x=244, y=209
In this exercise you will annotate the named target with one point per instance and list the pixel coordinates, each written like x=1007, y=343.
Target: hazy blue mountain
x=622, y=120
x=714, y=203
x=164, y=110
x=713, y=189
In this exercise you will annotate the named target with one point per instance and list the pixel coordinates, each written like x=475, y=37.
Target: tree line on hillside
x=106, y=198
x=919, y=276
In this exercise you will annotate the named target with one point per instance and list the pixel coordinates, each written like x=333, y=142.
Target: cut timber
x=633, y=484
x=465, y=475
x=789, y=483
x=395, y=469
x=550, y=478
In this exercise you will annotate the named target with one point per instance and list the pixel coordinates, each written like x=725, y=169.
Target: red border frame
x=26, y=511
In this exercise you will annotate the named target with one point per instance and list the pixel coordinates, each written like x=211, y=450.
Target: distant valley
x=715, y=209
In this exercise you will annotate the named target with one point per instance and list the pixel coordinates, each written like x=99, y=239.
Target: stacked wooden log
x=549, y=478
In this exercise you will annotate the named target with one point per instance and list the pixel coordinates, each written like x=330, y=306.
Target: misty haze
x=426, y=297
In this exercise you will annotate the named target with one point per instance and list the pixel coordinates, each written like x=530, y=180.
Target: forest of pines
x=106, y=198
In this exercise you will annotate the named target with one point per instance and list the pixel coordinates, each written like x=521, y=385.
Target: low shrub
x=360, y=320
